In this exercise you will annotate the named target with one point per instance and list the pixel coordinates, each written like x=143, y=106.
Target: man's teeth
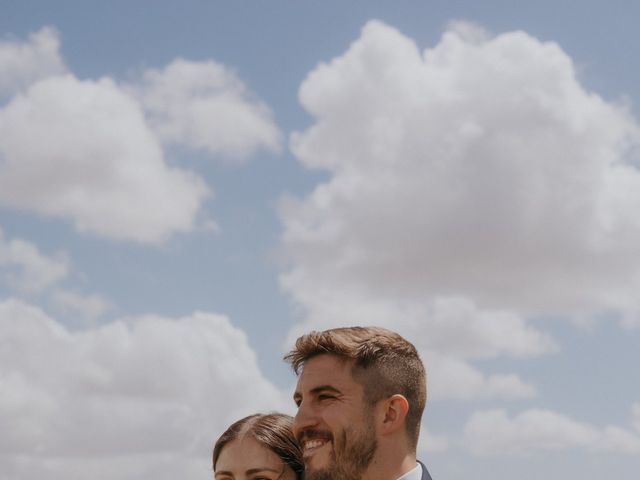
x=309, y=444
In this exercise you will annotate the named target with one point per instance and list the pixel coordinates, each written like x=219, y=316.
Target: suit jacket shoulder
x=425, y=472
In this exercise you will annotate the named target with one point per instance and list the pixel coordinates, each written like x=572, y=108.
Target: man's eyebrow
x=297, y=396
x=324, y=388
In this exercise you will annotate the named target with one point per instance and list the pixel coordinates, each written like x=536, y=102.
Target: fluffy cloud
x=444, y=326
x=445, y=331
x=23, y=63
x=81, y=150
x=480, y=168
x=492, y=432
x=146, y=391
x=452, y=378
x=91, y=151
x=204, y=105
x=160, y=466
x=89, y=307
x=636, y=416
x=24, y=268
x=472, y=187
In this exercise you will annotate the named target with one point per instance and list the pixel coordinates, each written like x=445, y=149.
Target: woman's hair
x=273, y=430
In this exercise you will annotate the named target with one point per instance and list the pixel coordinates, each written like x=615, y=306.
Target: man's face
x=334, y=425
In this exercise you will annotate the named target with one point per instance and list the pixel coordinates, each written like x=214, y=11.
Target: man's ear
x=395, y=409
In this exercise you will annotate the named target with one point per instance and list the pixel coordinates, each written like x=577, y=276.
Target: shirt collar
x=413, y=474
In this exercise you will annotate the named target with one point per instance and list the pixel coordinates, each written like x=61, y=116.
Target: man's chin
x=318, y=459
x=319, y=467
x=319, y=474
x=315, y=469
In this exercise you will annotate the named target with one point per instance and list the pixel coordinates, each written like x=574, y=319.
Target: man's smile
x=310, y=447
x=312, y=440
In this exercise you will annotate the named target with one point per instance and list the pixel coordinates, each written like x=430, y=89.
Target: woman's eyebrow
x=253, y=471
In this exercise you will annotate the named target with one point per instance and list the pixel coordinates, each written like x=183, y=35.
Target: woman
x=258, y=447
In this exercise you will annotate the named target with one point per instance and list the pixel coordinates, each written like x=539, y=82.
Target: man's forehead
x=325, y=368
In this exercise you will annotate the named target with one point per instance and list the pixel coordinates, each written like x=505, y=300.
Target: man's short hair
x=384, y=363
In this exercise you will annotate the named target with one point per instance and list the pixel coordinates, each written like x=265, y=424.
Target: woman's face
x=246, y=459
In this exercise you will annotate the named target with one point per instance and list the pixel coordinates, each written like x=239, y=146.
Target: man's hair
x=384, y=363
x=272, y=430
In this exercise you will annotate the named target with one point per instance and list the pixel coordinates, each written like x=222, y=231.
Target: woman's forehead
x=246, y=450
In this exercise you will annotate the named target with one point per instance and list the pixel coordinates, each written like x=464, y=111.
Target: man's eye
x=324, y=396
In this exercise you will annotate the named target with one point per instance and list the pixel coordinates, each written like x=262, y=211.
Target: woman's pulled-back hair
x=273, y=430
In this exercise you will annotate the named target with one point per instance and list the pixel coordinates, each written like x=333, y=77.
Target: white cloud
x=616, y=439
x=24, y=268
x=471, y=187
x=478, y=170
x=23, y=63
x=452, y=378
x=134, y=390
x=157, y=466
x=636, y=416
x=445, y=326
x=204, y=105
x=91, y=151
x=89, y=307
x=492, y=432
x=445, y=332
x=81, y=150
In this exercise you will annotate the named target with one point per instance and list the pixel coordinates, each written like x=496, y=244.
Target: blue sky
x=186, y=188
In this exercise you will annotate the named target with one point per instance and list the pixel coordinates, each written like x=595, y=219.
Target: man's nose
x=305, y=418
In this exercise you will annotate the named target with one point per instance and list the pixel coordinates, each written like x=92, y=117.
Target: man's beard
x=348, y=461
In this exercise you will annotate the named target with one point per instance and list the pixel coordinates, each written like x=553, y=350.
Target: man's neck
x=390, y=468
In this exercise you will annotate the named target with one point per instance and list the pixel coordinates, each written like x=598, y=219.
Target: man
x=360, y=395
